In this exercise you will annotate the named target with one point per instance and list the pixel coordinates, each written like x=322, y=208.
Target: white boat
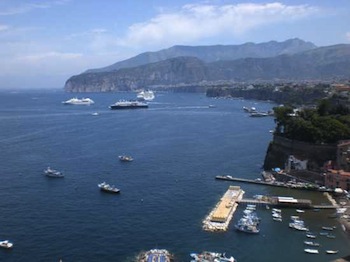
x=108, y=188
x=125, y=158
x=162, y=255
x=311, y=243
x=207, y=256
x=310, y=235
x=6, y=244
x=77, y=101
x=147, y=95
x=328, y=228
x=311, y=251
x=300, y=211
x=53, y=173
x=332, y=251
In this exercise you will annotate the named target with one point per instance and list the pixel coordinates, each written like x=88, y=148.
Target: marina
x=219, y=218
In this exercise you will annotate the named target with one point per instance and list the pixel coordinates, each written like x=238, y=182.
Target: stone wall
x=281, y=148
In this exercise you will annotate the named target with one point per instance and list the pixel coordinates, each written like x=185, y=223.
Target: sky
x=44, y=42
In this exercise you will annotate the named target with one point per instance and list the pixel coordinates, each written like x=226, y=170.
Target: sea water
x=179, y=144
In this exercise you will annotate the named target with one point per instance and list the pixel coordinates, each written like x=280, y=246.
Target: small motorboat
x=311, y=243
x=328, y=228
x=52, y=173
x=311, y=251
x=125, y=158
x=6, y=244
x=108, y=188
x=310, y=235
x=332, y=251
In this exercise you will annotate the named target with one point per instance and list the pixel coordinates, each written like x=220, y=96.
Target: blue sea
x=179, y=145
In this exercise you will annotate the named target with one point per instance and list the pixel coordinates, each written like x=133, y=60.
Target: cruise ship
x=145, y=95
x=130, y=104
x=77, y=101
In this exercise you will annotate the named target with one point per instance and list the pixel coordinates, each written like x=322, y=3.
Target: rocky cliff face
x=281, y=148
x=320, y=63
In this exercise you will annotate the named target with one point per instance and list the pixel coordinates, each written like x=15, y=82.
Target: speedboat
x=108, y=188
x=311, y=251
x=77, y=101
x=147, y=95
x=53, y=173
x=6, y=244
x=125, y=158
x=332, y=251
x=128, y=104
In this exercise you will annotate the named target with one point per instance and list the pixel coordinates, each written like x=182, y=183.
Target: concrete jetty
x=220, y=217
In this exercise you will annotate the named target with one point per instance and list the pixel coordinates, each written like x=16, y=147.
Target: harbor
x=219, y=218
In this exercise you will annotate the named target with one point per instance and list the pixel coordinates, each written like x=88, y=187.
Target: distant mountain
x=196, y=74
x=214, y=53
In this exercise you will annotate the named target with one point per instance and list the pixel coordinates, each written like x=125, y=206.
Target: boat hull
x=118, y=107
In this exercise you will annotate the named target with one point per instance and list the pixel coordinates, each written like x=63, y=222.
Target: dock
x=220, y=217
x=270, y=183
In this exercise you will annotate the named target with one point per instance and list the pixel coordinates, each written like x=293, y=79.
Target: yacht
x=108, y=188
x=77, y=101
x=147, y=95
x=130, y=104
x=6, y=244
x=162, y=255
x=211, y=256
x=52, y=173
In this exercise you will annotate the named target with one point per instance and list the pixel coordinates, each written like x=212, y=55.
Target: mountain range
x=203, y=66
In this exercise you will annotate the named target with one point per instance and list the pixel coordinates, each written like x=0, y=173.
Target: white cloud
x=49, y=55
x=196, y=22
x=347, y=35
x=4, y=27
x=27, y=7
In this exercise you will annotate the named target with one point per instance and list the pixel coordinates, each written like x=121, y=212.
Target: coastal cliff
x=281, y=148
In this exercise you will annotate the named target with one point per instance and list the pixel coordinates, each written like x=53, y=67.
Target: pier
x=220, y=217
x=272, y=183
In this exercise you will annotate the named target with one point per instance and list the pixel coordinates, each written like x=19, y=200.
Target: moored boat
x=310, y=235
x=311, y=251
x=6, y=244
x=328, y=228
x=53, y=173
x=207, y=256
x=332, y=251
x=108, y=188
x=77, y=101
x=311, y=243
x=128, y=104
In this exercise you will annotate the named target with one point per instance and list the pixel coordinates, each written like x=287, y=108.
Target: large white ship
x=145, y=95
x=77, y=101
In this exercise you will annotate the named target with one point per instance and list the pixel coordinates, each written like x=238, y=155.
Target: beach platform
x=220, y=217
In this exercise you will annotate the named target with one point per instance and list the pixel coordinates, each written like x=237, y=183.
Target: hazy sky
x=44, y=42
